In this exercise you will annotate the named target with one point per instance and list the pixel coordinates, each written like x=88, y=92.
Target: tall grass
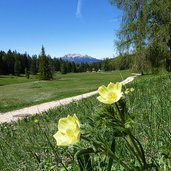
x=29, y=144
x=152, y=104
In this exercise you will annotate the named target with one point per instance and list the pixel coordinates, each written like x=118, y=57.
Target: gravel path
x=36, y=109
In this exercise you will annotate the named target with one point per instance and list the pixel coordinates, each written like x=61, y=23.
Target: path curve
x=37, y=109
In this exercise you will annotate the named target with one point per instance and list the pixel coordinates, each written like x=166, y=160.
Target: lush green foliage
x=150, y=104
x=145, y=24
x=122, y=62
x=24, y=92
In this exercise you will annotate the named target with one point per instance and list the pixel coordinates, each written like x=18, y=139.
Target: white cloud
x=116, y=19
x=79, y=6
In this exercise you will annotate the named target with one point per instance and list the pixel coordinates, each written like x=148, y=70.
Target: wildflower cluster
x=111, y=123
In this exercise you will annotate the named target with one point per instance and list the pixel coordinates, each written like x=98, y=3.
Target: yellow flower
x=110, y=94
x=36, y=121
x=68, y=131
x=128, y=90
x=131, y=89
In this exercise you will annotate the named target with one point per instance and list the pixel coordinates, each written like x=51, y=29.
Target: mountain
x=77, y=58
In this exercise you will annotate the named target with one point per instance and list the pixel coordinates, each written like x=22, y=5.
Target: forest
x=15, y=63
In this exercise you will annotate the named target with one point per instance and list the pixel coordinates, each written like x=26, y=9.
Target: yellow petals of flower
x=36, y=121
x=131, y=89
x=110, y=94
x=128, y=90
x=68, y=131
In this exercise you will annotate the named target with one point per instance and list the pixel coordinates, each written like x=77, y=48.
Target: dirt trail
x=36, y=109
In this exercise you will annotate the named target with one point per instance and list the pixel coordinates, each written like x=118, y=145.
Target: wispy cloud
x=79, y=6
x=116, y=19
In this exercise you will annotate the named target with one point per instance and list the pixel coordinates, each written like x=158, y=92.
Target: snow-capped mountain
x=78, y=58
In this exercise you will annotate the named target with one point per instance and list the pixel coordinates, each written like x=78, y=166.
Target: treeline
x=155, y=59
x=122, y=62
x=15, y=63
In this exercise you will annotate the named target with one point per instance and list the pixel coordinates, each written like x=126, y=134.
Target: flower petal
x=76, y=120
x=118, y=86
x=105, y=101
x=119, y=95
x=61, y=139
x=103, y=91
x=66, y=123
x=73, y=137
x=113, y=87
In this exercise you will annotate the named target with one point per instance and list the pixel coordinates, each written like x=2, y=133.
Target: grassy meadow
x=29, y=144
x=19, y=92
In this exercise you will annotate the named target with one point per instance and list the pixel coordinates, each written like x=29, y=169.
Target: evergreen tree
x=51, y=66
x=63, y=67
x=17, y=66
x=27, y=73
x=34, y=67
x=106, y=65
x=45, y=71
x=1, y=63
x=73, y=67
x=56, y=64
x=9, y=61
x=68, y=66
x=24, y=58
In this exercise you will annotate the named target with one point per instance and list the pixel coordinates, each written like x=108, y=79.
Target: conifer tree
x=17, y=67
x=45, y=70
x=33, y=67
x=63, y=67
x=27, y=74
x=73, y=67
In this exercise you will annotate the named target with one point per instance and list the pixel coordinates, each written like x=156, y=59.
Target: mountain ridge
x=78, y=58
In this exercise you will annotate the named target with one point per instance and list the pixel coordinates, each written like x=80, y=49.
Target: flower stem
x=133, y=151
x=120, y=113
x=111, y=155
x=139, y=151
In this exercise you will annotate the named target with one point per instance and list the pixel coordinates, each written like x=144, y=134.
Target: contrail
x=79, y=5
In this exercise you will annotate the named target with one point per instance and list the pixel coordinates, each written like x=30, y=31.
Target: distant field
x=6, y=79
x=19, y=92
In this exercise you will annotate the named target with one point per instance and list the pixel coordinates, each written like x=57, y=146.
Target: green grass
x=19, y=92
x=151, y=103
x=11, y=79
x=26, y=145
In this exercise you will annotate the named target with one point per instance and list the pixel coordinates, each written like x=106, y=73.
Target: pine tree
x=45, y=70
x=33, y=67
x=63, y=67
x=27, y=74
x=17, y=67
x=73, y=67
x=1, y=63
x=56, y=64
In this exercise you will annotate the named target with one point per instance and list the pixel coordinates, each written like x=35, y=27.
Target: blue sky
x=62, y=26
